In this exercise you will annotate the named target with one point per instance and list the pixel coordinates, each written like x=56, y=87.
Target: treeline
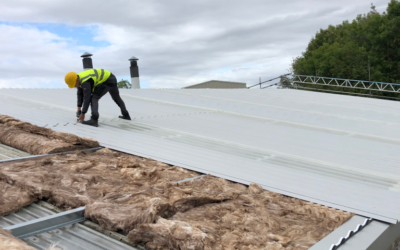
x=343, y=51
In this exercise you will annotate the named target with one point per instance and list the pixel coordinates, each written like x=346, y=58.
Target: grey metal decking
x=75, y=236
x=7, y=152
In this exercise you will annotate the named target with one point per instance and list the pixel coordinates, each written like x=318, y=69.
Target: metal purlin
x=42, y=225
x=350, y=234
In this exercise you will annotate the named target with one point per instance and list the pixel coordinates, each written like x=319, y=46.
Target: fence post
x=369, y=75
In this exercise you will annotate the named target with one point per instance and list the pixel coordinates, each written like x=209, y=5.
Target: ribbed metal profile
x=350, y=234
x=338, y=151
x=76, y=236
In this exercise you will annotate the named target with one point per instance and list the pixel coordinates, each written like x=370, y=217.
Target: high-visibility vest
x=98, y=75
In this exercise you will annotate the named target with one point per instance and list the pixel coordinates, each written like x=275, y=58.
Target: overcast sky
x=178, y=42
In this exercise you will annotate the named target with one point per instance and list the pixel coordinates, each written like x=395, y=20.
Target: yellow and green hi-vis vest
x=98, y=75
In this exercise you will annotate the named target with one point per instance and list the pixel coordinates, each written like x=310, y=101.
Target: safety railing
x=346, y=83
x=270, y=80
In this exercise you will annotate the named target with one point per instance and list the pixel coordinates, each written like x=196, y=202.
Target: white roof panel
x=339, y=151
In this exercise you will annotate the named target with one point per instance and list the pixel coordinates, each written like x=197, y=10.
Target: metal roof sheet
x=375, y=235
x=339, y=151
x=7, y=152
x=75, y=236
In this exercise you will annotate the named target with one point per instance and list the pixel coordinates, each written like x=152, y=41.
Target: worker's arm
x=87, y=95
x=80, y=97
x=80, y=100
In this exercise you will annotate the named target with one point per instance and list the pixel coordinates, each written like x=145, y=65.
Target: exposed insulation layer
x=163, y=199
x=13, y=198
x=9, y=242
x=78, y=179
x=255, y=220
x=124, y=192
x=38, y=140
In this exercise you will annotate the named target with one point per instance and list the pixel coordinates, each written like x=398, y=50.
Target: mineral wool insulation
x=256, y=219
x=8, y=241
x=140, y=196
x=13, y=198
x=38, y=140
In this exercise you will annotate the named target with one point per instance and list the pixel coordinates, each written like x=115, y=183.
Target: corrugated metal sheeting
x=376, y=235
x=7, y=152
x=73, y=237
x=334, y=150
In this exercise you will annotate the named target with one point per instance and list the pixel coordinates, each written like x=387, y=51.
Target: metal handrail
x=342, y=79
x=259, y=84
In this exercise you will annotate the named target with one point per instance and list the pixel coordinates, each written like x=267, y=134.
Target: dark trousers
x=108, y=86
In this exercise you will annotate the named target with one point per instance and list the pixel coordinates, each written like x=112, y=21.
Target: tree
x=373, y=9
x=124, y=84
x=285, y=82
x=343, y=51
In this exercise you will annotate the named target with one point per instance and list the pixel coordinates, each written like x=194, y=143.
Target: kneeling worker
x=92, y=84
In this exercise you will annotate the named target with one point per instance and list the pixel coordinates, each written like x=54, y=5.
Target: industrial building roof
x=339, y=151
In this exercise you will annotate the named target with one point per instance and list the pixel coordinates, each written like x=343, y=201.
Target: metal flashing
x=350, y=234
x=376, y=236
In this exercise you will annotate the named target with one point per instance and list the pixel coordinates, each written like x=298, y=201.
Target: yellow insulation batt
x=141, y=196
x=13, y=198
x=9, y=242
x=257, y=219
x=162, y=199
x=38, y=140
x=81, y=178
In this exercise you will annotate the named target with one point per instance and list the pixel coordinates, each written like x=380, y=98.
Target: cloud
x=33, y=58
x=178, y=42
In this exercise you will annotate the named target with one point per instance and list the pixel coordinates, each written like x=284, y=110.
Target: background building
x=215, y=84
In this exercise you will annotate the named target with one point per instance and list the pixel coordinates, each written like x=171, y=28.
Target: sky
x=178, y=42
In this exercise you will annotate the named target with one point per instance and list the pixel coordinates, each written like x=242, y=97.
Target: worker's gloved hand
x=81, y=117
x=78, y=113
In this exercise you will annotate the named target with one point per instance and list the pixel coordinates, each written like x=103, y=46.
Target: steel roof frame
x=48, y=223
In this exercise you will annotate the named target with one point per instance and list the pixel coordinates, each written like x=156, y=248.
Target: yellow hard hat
x=70, y=79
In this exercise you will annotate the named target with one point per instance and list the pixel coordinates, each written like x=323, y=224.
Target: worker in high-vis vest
x=92, y=84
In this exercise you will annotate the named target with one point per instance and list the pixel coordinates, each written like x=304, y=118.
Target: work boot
x=125, y=117
x=91, y=122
